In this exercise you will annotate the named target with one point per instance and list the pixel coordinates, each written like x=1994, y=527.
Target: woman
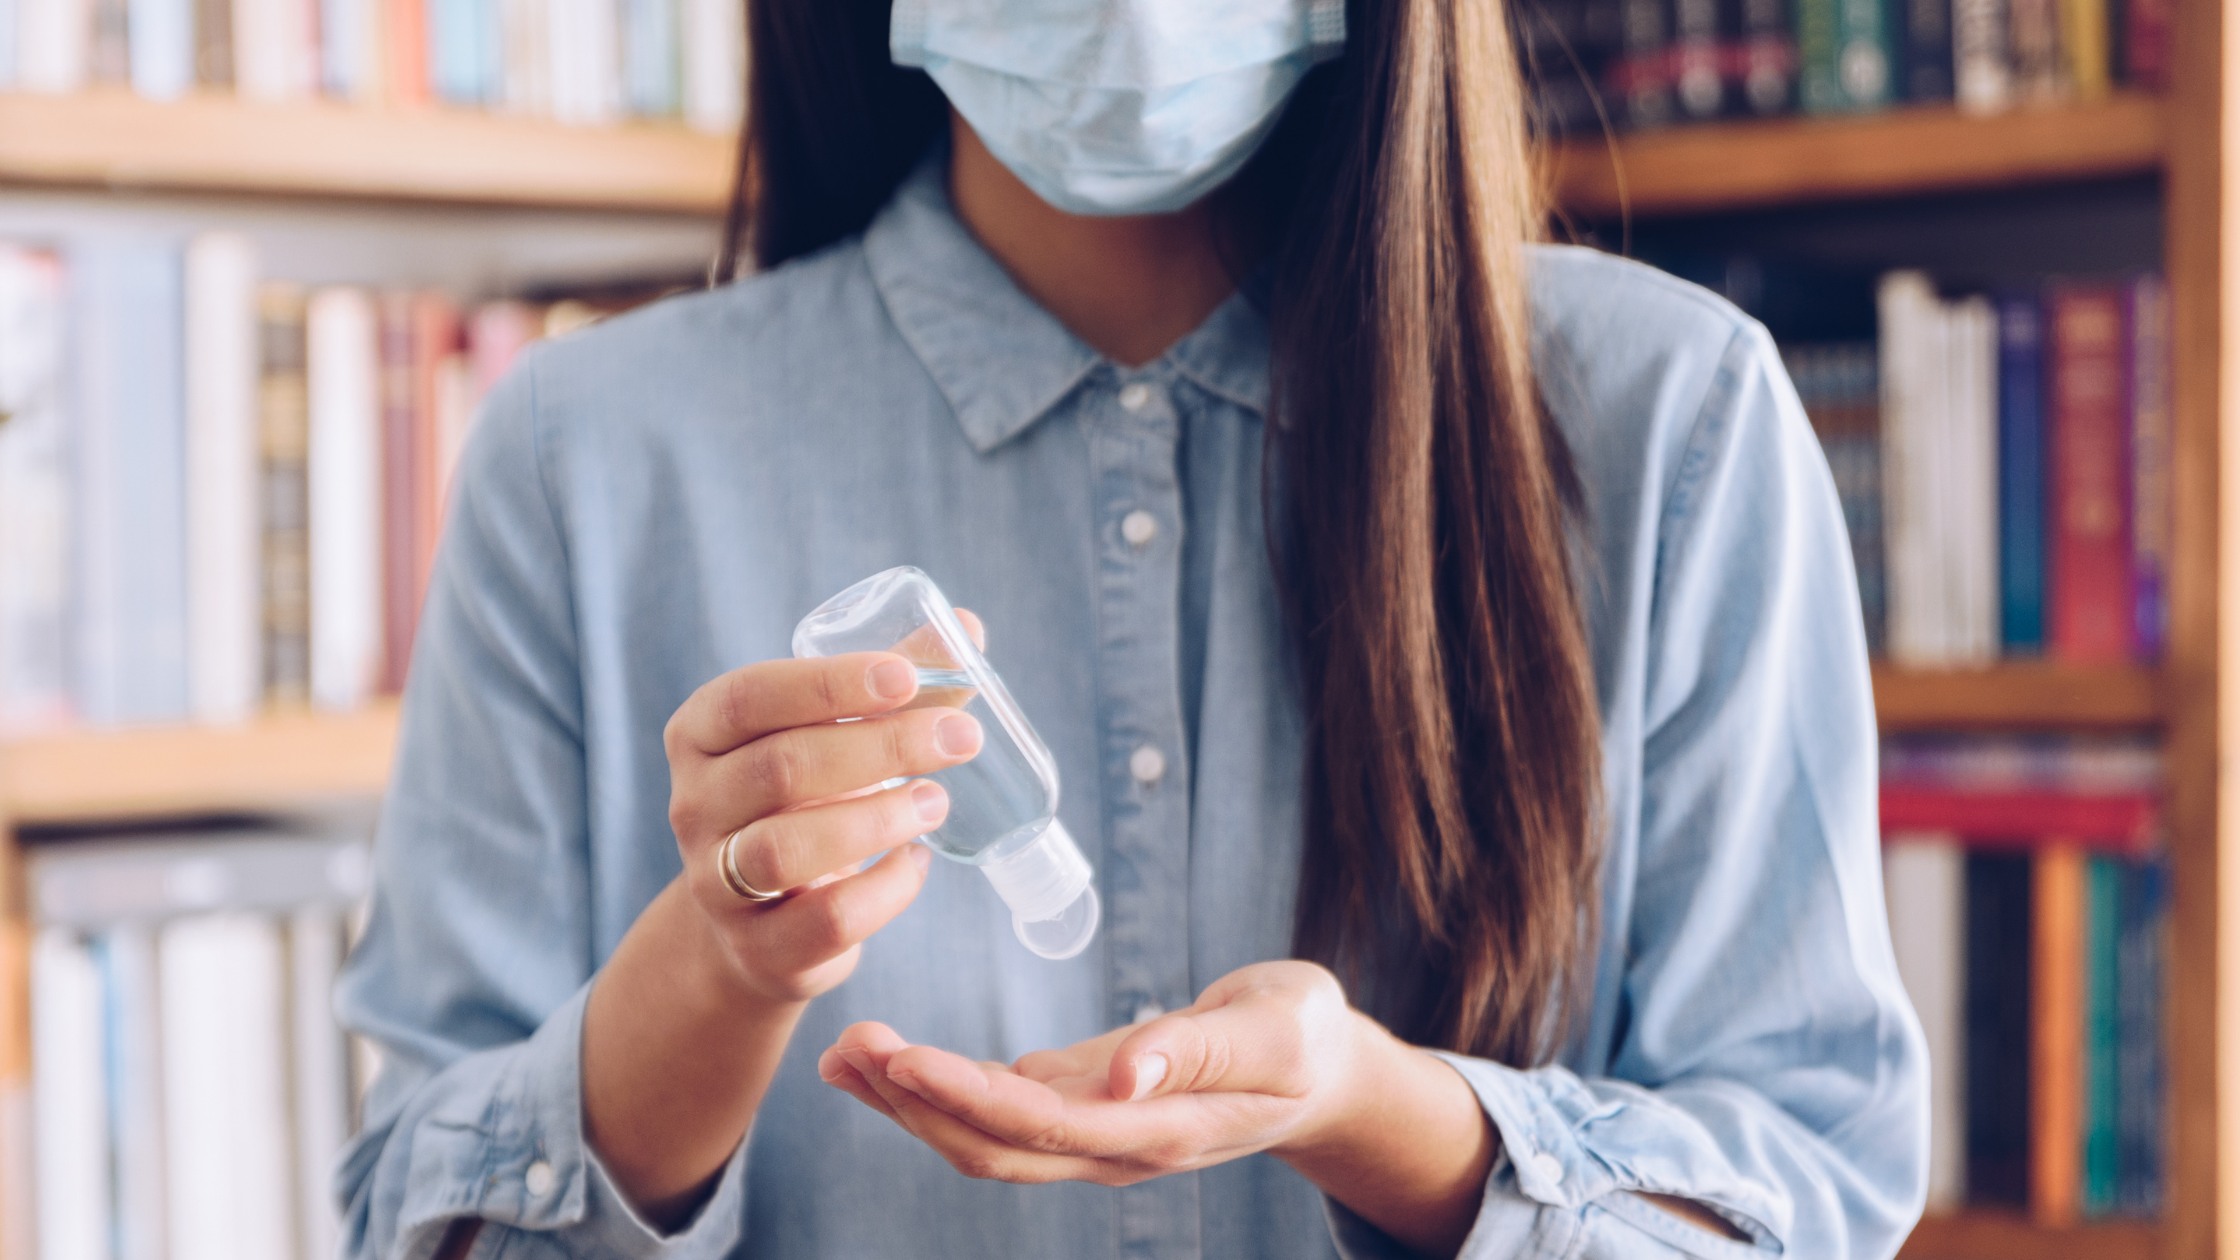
x=1527, y=711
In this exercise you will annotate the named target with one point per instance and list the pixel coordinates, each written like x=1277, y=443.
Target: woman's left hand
x=1270, y=1057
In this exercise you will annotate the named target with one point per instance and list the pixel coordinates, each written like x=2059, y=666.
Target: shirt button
x=538, y=1180
x=1135, y=396
x=1147, y=764
x=1546, y=1168
x=1148, y=1011
x=1139, y=527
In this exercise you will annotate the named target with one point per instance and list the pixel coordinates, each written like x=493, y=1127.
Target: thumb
x=1242, y=1047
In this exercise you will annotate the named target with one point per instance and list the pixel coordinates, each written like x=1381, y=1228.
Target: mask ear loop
x=1326, y=28
x=906, y=33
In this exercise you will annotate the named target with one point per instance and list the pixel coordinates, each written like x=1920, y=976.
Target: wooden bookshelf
x=2022, y=696
x=1995, y=1235
x=220, y=144
x=1744, y=165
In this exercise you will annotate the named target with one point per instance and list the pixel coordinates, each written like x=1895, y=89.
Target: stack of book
x=1640, y=64
x=218, y=492
x=576, y=61
x=2010, y=494
x=191, y=1091
x=2029, y=905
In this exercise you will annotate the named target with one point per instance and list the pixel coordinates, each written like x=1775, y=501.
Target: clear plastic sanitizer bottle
x=1003, y=804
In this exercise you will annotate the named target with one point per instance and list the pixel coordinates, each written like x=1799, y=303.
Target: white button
x=1139, y=527
x=538, y=1180
x=1147, y=764
x=1546, y=1167
x=1134, y=396
x=1149, y=1011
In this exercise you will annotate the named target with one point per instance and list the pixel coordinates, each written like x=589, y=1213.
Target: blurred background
x=260, y=260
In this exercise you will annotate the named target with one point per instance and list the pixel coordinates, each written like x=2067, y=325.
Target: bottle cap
x=1052, y=892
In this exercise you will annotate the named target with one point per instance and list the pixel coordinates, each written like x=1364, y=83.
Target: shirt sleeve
x=1766, y=1063
x=478, y=953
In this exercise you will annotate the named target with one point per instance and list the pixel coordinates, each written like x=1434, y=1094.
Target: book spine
x=69, y=1099
x=2084, y=48
x=320, y=1076
x=2146, y=44
x=2034, y=35
x=213, y=43
x=283, y=452
x=456, y=29
x=2103, y=913
x=1926, y=894
x=2090, y=558
x=406, y=52
x=2125, y=821
x=109, y=54
x=1974, y=433
x=161, y=38
x=715, y=61
x=400, y=605
x=1911, y=354
x=345, y=485
x=439, y=382
x=1928, y=50
x=36, y=492
x=1983, y=68
x=53, y=38
x=223, y=601
x=1698, y=87
x=1768, y=73
x=127, y=955
x=1999, y=1046
x=1863, y=55
x=650, y=67
x=2139, y=1072
x=10, y=61
x=2148, y=377
x=2057, y=1033
x=2022, y=477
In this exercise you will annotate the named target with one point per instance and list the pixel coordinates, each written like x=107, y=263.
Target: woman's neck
x=1130, y=287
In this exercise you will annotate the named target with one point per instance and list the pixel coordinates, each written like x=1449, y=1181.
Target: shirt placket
x=1143, y=766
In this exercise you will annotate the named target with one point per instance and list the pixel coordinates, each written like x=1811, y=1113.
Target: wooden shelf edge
x=1787, y=161
x=1996, y=1235
x=275, y=761
x=219, y=143
x=2020, y=696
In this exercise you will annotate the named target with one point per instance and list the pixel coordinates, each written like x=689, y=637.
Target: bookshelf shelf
x=2017, y=697
x=215, y=143
x=1987, y=1235
x=1744, y=165
x=277, y=760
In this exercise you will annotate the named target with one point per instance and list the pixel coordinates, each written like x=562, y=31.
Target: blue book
x=160, y=39
x=650, y=69
x=128, y=434
x=2022, y=476
x=2141, y=964
x=466, y=52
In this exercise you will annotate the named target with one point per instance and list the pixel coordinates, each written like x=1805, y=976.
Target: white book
x=715, y=64
x=321, y=1075
x=526, y=28
x=224, y=633
x=1907, y=312
x=273, y=50
x=35, y=482
x=349, y=43
x=69, y=1100
x=586, y=47
x=128, y=959
x=160, y=38
x=1925, y=884
x=1981, y=78
x=53, y=44
x=19, y=1237
x=345, y=489
x=10, y=24
x=227, y=1132
x=1975, y=415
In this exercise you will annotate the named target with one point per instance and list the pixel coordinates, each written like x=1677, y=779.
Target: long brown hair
x=1421, y=499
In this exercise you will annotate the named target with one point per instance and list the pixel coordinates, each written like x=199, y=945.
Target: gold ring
x=727, y=865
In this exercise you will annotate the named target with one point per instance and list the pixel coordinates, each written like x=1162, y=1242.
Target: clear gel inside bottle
x=1003, y=804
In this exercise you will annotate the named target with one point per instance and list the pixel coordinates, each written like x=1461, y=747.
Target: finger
x=840, y=1074
x=1254, y=1045
x=970, y=620
x=750, y=702
x=1093, y=1056
x=813, y=927
x=790, y=849
x=810, y=763
x=969, y=1150
x=1000, y=1103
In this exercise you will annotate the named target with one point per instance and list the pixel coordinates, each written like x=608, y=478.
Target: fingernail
x=922, y=857
x=1150, y=1070
x=957, y=735
x=893, y=679
x=858, y=1060
x=907, y=1082
x=931, y=802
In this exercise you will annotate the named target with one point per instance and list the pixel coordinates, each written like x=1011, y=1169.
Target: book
x=715, y=64
x=53, y=39
x=2084, y=48
x=225, y=1073
x=8, y=62
x=213, y=44
x=129, y=523
x=400, y=463
x=1639, y=78
x=586, y=75
x=1939, y=474
x=2057, y=1033
x=1563, y=50
x=1971, y=553
x=1837, y=384
x=439, y=417
x=2034, y=41
x=344, y=479
x=2103, y=893
x=35, y=492
x=350, y=46
x=2089, y=765
x=527, y=30
x=1844, y=51
x=650, y=67
x=319, y=1073
x=283, y=426
x=1692, y=59
x=497, y=333
x=2141, y=953
x=2127, y=822
x=405, y=55
x=69, y=1100
x=1999, y=1046
x=1982, y=61
x=1927, y=50
x=109, y=51
x=2022, y=477
x=274, y=50
x=224, y=639
x=94, y=883
x=2089, y=544
x=465, y=53
x=160, y=37
x=1769, y=58
x=127, y=958
x=1924, y=884
x=2147, y=380
x=2146, y=44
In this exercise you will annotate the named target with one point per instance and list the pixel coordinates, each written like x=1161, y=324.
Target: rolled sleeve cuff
x=539, y=1176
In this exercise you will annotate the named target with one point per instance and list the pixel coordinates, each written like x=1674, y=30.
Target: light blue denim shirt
x=654, y=501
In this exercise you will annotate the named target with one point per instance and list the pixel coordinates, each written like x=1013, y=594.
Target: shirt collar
x=1000, y=359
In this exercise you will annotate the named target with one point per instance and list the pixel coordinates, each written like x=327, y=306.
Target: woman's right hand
x=759, y=752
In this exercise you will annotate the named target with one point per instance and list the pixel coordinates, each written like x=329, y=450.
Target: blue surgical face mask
x=1119, y=106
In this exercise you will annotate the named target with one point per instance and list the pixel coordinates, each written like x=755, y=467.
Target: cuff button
x=538, y=1180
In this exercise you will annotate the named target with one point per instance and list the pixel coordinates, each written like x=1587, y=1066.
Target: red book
x=435, y=351
x=407, y=52
x=400, y=597
x=2124, y=822
x=2089, y=535
x=2146, y=43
